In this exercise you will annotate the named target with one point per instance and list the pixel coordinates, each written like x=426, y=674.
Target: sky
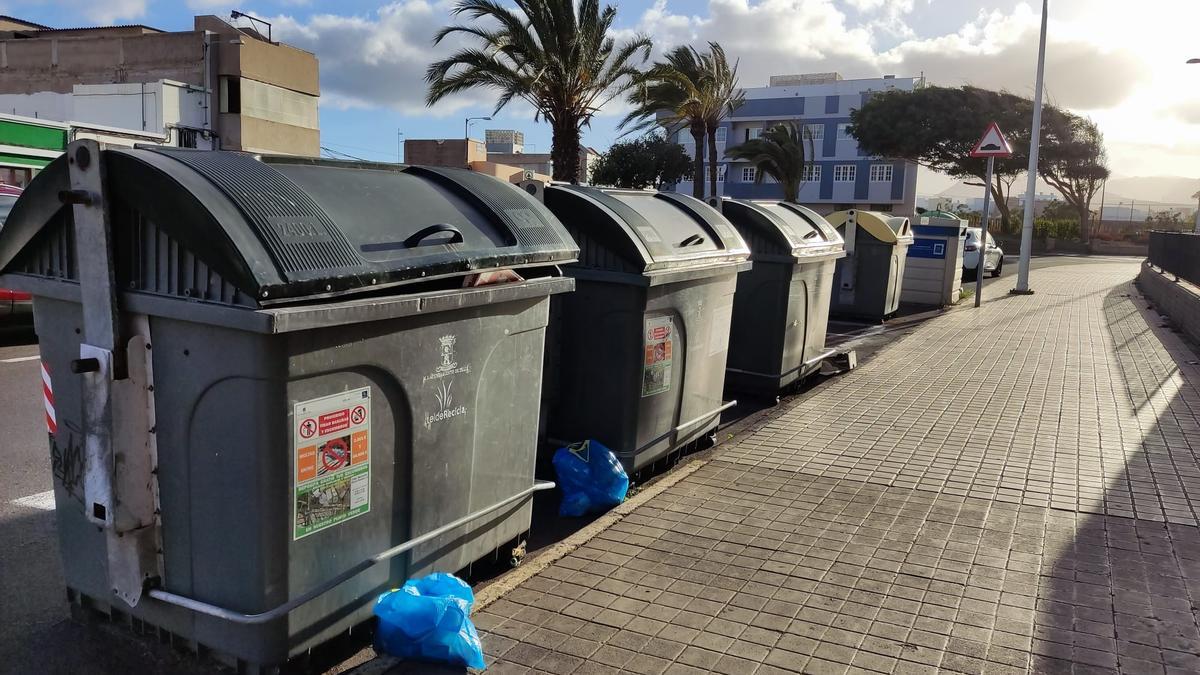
x=1121, y=63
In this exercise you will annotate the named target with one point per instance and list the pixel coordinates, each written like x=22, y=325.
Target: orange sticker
x=306, y=463
x=359, y=447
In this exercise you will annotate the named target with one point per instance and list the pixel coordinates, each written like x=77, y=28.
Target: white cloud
x=380, y=59
x=105, y=12
x=207, y=5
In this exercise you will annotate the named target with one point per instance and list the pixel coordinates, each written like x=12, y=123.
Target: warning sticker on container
x=659, y=340
x=332, y=450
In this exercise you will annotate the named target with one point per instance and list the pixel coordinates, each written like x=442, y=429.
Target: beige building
x=254, y=94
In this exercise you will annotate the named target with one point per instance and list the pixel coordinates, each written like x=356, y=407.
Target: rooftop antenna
x=235, y=14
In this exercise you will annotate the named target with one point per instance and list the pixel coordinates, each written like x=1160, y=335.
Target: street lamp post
x=1035, y=137
x=399, y=134
x=467, y=126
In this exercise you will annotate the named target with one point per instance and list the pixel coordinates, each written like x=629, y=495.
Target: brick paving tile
x=1030, y=509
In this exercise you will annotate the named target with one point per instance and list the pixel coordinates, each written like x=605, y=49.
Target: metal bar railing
x=1177, y=253
x=312, y=594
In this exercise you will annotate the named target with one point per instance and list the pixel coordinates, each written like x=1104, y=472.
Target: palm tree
x=721, y=97
x=674, y=87
x=554, y=54
x=778, y=153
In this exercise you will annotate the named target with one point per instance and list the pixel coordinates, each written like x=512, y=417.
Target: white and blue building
x=840, y=176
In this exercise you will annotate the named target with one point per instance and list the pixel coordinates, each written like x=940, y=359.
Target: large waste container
x=933, y=271
x=869, y=280
x=781, y=308
x=304, y=372
x=643, y=338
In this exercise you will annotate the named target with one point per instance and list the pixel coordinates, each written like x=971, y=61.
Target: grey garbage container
x=302, y=369
x=642, y=341
x=869, y=280
x=933, y=271
x=781, y=308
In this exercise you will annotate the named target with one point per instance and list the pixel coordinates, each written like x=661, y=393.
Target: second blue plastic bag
x=591, y=478
x=428, y=619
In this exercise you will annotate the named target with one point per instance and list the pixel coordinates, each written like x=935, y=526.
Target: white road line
x=20, y=359
x=43, y=501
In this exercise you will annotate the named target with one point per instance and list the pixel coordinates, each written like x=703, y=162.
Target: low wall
x=1178, y=300
x=1104, y=247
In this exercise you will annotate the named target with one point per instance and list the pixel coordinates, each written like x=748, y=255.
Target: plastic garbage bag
x=428, y=619
x=591, y=478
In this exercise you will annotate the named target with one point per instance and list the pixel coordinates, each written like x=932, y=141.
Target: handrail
x=282, y=610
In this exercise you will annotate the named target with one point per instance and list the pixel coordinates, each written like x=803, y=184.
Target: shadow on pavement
x=1123, y=591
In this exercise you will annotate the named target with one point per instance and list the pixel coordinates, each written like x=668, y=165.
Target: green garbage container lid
x=643, y=232
x=286, y=229
x=773, y=228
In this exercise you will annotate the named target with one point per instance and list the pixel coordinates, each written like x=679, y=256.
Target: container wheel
x=518, y=555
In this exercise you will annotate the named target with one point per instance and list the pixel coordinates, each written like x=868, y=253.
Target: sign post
x=992, y=145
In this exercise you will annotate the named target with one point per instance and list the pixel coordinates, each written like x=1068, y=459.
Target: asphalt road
x=36, y=634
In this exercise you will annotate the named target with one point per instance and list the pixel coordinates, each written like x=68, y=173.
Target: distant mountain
x=1165, y=190
x=1162, y=189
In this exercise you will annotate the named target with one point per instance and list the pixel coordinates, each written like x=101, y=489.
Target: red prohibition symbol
x=308, y=428
x=358, y=414
x=335, y=454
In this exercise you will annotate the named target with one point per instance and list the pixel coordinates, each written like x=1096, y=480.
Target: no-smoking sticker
x=332, y=452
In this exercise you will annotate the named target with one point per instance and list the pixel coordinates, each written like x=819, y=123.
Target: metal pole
x=1197, y=230
x=1100, y=220
x=983, y=233
x=398, y=135
x=467, y=129
x=1035, y=136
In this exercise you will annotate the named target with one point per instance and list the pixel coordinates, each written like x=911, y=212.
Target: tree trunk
x=698, y=179
x=1000, y=202
x=1085, y=225
x=791, y=191
x=712, y=161
x=564, y=151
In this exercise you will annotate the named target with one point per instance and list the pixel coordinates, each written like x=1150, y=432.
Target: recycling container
x=282, y=385
x=869, y=280
x=781, y=307
x=933, y=270
x=643, y=339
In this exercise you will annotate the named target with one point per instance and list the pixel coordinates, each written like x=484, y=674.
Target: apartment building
x=218, y=85
x=840, y=175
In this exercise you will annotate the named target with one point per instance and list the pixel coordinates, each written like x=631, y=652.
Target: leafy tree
x=1073, y=161
x=556, y=55
x=778, y=153
x=1059, y=210
x=721, y=98
x=645, y=162
x=937, y=127
x=674, y=88
x=1165, y=218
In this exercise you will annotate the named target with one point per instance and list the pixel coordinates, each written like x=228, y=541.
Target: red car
x=11, y=302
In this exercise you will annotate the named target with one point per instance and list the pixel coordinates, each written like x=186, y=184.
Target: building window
x=721, y=132
x=811, y=173
x=753, y=132
x=231, y=95
x=843, y=173
x=815, y=131
x=187, y=138
x=844, y=132
x=881, y=173
x=720, y=172
x=748, y=173
x=14, y=176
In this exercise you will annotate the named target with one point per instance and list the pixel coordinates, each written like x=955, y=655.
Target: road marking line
x=43, y=501
x=20, y=359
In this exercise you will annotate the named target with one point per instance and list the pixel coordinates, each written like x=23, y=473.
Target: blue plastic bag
x=591, y=478
x=428, y=619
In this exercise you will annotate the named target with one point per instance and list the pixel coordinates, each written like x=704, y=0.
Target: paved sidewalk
x=1008, y=490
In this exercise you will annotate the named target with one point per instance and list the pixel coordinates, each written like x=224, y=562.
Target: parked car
x=11, y=302
x=993, y=258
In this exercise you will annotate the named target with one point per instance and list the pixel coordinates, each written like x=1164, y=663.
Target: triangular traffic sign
x=993, y=144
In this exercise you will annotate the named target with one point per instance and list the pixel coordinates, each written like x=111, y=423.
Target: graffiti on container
x=66, y=458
